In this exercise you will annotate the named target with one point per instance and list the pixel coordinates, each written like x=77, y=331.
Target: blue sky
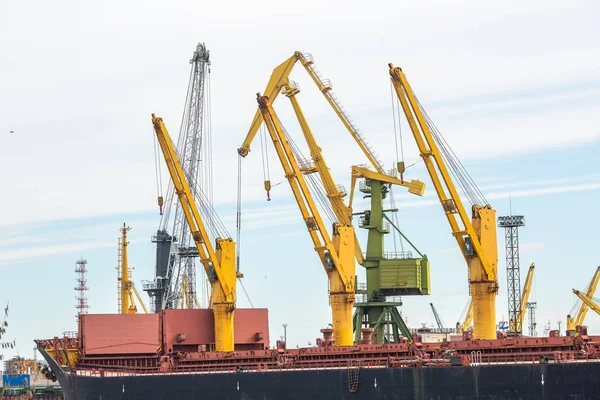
x=514, y=88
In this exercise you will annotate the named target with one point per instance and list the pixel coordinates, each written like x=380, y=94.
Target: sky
x=514, y=87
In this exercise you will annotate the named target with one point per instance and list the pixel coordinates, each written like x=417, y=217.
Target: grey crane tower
x=176, y=253
x=511, y=224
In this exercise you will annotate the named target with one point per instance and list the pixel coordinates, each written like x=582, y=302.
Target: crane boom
x=526, y=291
x=335, y=193
x=524, y=298
x=219, y=262
x=588, y=301
x=337, y=253
x=589, y=293
x=438, y=320
x=476, y=238
x=468, y=321
x=279, y=78
x=583, y=309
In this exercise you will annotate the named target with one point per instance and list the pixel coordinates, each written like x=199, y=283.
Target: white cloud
x=529, y=247
x=87, y=149
x=9, y=256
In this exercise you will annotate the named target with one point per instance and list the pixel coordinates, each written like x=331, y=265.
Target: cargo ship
x=168, y=355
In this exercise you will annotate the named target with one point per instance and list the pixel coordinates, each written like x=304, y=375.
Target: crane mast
x=476, y=237
x=219, y=262
x=175, y=281
x=127, y=289
x=337, y=252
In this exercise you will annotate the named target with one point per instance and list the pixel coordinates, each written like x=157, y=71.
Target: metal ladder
x=326, y=89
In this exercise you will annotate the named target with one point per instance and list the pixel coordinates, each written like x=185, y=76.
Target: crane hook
x=268, y=189
x=160, y=204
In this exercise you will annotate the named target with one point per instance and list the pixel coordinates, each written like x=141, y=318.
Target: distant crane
x=514, y=326
x=126, y=287
x=438, y=319
x=573, y=322
x=591, y=302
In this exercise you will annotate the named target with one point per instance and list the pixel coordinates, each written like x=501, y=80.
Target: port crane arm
x=438, y=319
x=589, y=293
x=280, y=77
x=526, y=291
x=219, y=264
x=442, y=181
x=337, y=254
x=588, y=301
x=414, y=186
x=476, y=238
x=335, y=193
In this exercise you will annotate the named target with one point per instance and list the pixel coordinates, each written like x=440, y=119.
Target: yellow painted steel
x=127, y=306
x=524, y=297
x=589, y=293
x=218, y=262
x=334, y=193
x=415, y=186
x=279, y=78
x=337, y=254
x=127, y=286
x=587, y=300
x=482, y=259
x=583, y=309
x=466, y=324
x=68, y=355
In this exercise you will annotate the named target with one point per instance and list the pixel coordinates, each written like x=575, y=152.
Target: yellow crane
x=476, y=237
x=468, y=321
x=279, y=83
x=337, y=252
x=583, y=309
x=218, y=261
x=588, y=301
x=524, y=298
x=280, y=78
x=126, y=286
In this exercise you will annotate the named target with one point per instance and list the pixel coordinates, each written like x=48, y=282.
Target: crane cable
x=238, y=217
x=158, y=173
x=397, y=138
x=466, y=182
x=238, y=228
x=208, y=146
x=265, y=161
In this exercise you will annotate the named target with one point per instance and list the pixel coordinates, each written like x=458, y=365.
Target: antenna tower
x=81, y=288
x=511, y=224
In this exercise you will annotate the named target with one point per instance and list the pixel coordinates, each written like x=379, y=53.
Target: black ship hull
x=566, y=380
